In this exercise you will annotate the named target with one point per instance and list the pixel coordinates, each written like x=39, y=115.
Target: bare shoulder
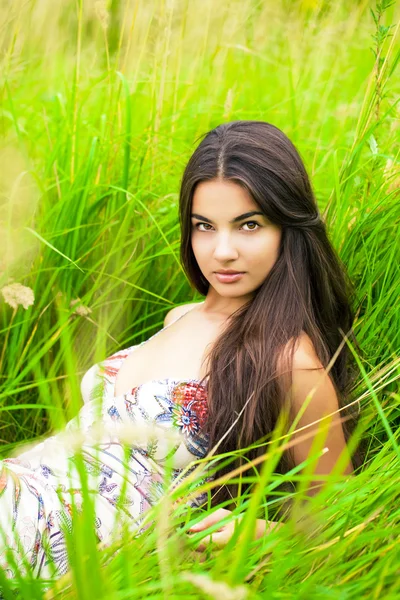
x=304, y=356
x=177, y=312
x=309, y=375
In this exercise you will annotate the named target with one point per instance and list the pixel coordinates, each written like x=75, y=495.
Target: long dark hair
x=307, y=289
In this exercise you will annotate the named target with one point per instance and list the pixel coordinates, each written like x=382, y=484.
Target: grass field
x=101, y=104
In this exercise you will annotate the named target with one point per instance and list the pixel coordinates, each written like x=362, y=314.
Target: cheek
x=255, y=249
x=265, y=250
x=261, y=246
x=199, y=246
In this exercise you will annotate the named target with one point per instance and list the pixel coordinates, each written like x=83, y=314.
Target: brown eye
x=197, y=225
x=252, y=223
x=257, y=226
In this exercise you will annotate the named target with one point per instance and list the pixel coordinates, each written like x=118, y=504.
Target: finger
x=195, y=536
x=209, y=520
x=218, y=539
x=204, y=542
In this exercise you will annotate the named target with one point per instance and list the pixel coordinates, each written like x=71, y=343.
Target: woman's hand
x=222, y=536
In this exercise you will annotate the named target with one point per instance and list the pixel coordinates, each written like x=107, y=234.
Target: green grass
x=97, y=124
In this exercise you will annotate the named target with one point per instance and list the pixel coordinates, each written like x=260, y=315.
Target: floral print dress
x=37, y=486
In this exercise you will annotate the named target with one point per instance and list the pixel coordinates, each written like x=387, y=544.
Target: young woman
x=276, y=308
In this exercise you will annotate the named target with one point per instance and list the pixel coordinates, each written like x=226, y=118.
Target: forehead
x=222, y=198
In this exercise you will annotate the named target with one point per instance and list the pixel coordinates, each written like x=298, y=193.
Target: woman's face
x=224, y=236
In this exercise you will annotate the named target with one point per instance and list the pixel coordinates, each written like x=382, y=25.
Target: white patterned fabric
x=37, y=486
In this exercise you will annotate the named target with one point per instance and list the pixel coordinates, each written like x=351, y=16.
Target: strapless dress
x=36, y=485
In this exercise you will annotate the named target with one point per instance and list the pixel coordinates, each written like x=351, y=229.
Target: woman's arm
x=224, y=533
x=308, y=377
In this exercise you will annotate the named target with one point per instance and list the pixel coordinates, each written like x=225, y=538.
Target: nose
x=224, y=248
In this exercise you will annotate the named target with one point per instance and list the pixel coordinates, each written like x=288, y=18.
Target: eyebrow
x=235, y=220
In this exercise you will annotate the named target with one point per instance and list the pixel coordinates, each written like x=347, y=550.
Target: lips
x=229, y=272
x=231, y=277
